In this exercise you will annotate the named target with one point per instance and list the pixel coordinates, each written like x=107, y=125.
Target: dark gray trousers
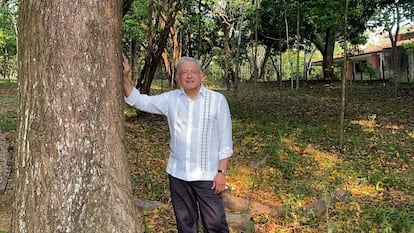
x=191, y=198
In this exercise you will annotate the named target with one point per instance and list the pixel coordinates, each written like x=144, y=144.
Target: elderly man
x=200, y=145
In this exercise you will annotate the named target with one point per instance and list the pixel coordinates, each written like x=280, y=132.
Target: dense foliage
x=8, y=39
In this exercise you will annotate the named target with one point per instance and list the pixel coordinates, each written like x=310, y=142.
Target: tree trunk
x=280, y=76
x=171, y=56
x=263, y=66
x=256, y=41
x=71, y=167
x=238, y=60
x=134, y=70
x=157, y=42
x=343, y=83
x=297, y=44
x=395, y=56
x=328, y=68
x=227, y=53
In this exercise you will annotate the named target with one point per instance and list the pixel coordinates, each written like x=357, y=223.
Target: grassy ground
x=287, y=154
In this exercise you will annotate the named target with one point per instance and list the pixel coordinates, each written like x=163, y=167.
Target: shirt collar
x=201, y=93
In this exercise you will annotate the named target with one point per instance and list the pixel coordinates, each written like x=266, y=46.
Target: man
x=200, y=145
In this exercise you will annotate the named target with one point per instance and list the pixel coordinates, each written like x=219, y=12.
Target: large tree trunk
x=328, y=52
x=326, y=45
x=71, y=167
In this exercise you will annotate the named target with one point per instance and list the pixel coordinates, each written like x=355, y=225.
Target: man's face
x=190, y=76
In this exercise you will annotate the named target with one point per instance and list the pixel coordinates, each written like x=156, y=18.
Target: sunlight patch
x=367, y=125
x=324, y=160
x=362, y=189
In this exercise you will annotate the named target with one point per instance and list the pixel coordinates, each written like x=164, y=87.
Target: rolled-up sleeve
x=133, y=97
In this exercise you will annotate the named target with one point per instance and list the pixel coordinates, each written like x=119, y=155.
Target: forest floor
x=8, y=103
x=287, y=155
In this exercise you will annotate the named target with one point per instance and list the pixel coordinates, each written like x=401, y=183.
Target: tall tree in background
x=194, y=34
x=161, y=18
x=274, y=31
x=343, y=79
x=201, y=38
x=225, y=16
x=71, y=167
x=298, y=39
x=239, y=31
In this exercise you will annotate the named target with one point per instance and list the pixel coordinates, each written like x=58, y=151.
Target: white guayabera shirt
x=200, y=129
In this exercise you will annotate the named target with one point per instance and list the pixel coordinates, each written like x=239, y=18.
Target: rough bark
x=71, y=167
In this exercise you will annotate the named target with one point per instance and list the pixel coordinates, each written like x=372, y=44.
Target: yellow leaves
x=349, y=207
x=160, y=220
x=324, y=159
x=291, y=145
x=362, y=189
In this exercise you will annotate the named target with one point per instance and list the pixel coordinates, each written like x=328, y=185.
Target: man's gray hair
x=185, y=59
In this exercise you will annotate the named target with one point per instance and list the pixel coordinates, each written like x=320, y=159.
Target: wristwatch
x=224, y=172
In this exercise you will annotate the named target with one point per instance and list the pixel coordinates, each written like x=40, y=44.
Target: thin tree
x=287, y=43
x=344, y=76
x=71, y=167
x=239, y=37
x=297, y=43
x=256, y=41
